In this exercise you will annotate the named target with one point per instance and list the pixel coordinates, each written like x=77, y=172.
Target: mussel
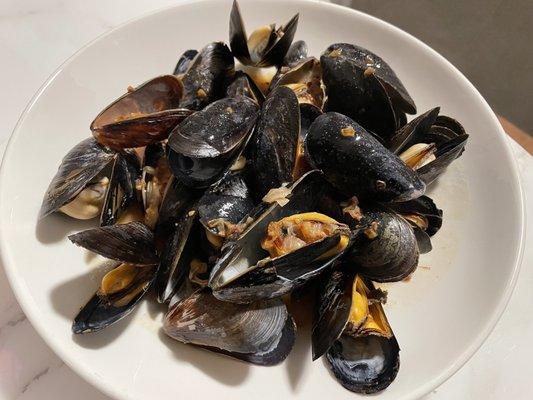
x=184, y=62
x=286, y=243
x=275, y=146
x=204, y=146
x=124, y=286
x=364, y=87
x=261, y=333
x=243, y=85
x=266, y=46
x=388, y=250
x=356, y=163
x=429, y=143
x=142, y=116
x=296, y=54
x=79, y=187
x=207, y=76
x=352, y=330
x=305, y=79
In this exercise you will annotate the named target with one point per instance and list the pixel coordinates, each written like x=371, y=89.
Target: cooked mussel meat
x=364, y=87
x=207, y=76
x=142, y=116
x=356, y=163
x=261, y=333
x=266, y=46
x=352, y=330
x=429, y=143
x=305, y=79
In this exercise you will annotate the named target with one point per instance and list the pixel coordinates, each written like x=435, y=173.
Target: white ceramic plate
x=440, y=317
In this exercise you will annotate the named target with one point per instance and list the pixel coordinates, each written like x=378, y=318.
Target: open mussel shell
x=122, y=191
x=176, y=257
x=185, y=61
x=362, y=86
x=243, y=85
x=142, y=116
x=222, y=207
x=204, y=146
x=105, y=309
x=261, y=333
x=305, y=79
x=296, y=54
x=352, y=330
x=388, y=249
x=422, y=213
x=129, y=243
x=207, y=75
x=245, y=272
x=274, y=147
x=266, y=46
x=443, y=137
x=356, y=163
x=155, y=177
x=82, y=164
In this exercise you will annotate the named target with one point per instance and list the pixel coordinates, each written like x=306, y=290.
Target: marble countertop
x=35, y=37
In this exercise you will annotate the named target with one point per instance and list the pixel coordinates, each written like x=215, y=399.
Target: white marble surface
x=35, y=37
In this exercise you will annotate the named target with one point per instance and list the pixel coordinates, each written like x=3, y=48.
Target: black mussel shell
x=274, y=146
x=366, y=364
x=142, y=116
x=102, y=311
x=176, y=256
x=129, y=243
x=81, y=165
x=297, y=53
x=121, y=192
x=261, y=333
x=333, y=311
x=423, y=207
x=243, y=85
x=274, y=52
x=388, y=250
x=185, y=61
x=446, y=133
x=204, y=146
x=356, y=163
x=362, y=86
x=207, y=76
x=228, y=202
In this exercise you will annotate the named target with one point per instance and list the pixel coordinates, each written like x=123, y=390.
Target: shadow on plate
x=224, y=369
x=56, y=227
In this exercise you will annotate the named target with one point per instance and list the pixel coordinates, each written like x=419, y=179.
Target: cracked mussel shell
x=261, y=333
x=355, y=163
x=364, y=87
x=204, y=146
x=142, y=116
x=266, y=46
x=429, y=144
x=351, y=329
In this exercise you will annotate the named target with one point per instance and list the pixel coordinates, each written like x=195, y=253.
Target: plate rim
x=81, y=369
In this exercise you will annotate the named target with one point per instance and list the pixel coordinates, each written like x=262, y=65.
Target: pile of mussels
x=227, y=191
